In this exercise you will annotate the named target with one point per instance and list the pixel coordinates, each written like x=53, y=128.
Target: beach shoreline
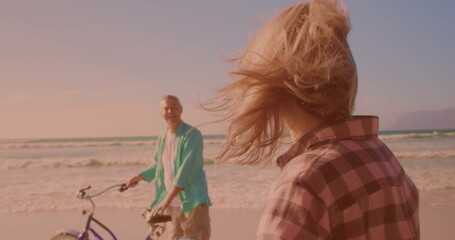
x=240, y=224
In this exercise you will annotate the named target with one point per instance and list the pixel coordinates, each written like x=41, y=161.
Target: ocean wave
x=88, y=144
x=69, y=203
x=151, y=141
x=11, y=164
x=26, y=145
x=53, y=163
x=112, y=160
x=426, y=154
x=214, y=141
x=434, y=186
x=56, y=192
x=416, y=135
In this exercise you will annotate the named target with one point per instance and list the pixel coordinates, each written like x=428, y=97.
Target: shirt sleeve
x=192, y=159
x=293, y=212
x=149, y=174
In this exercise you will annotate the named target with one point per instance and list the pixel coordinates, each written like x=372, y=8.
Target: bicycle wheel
x=64, y=236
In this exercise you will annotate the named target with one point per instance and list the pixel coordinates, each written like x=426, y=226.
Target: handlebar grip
x=123, y=187
x=81, y=192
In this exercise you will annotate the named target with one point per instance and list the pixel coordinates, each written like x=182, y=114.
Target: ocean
x=44, y=174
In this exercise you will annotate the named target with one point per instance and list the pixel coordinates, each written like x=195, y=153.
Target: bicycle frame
x=88, y=228
x=82, y=195
x=154, y=227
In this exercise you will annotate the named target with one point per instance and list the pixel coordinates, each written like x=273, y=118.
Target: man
x=181, y=186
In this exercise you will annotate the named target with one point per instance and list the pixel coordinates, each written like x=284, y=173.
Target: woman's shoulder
x=309, y=166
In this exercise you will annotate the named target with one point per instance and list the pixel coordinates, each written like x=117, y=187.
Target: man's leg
x=197, y=224
x=174, y=227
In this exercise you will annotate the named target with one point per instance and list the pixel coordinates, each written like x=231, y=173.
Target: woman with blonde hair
x=338, y=180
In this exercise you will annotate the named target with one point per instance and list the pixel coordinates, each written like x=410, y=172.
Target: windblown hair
x=300, y=60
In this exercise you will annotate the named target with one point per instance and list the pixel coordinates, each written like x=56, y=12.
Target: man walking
x=181, y=187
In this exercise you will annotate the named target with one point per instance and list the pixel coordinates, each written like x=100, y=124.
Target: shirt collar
x=180, y=130
x=356, y=128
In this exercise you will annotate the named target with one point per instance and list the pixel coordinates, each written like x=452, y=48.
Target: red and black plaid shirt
x=341, y=182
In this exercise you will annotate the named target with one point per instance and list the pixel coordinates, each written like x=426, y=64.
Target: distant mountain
x=444, y=119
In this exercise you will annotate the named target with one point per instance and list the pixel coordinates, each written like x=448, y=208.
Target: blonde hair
x=299, y=60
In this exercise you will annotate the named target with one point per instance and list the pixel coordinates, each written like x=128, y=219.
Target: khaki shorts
x=195, y=226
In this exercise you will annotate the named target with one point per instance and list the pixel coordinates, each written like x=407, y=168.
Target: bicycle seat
x=160, y=219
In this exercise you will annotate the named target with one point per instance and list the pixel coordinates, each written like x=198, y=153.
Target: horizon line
x=204, y=135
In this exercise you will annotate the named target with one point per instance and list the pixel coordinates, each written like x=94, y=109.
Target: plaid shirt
x=341, y=182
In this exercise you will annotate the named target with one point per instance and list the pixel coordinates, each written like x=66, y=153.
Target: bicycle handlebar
x=83, y=194
x=155, y=228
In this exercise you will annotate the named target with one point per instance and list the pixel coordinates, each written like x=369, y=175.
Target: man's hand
x=159, y=210
x=132, y=182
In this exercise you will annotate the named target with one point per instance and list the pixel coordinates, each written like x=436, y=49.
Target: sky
x=99, y=68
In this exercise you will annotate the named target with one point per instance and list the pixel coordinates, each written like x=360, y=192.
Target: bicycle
x=155, y=224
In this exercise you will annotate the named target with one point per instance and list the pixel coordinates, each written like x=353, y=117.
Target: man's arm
x=132, y=182
x=167, y=201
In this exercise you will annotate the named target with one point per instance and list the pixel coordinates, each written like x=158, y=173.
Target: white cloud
x=72, y=92
x=443, y=119
x=116, y=90
x=123, y=89
x=16, y=98
x=134, y=88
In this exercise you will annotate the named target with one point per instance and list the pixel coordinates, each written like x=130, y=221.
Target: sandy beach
x=436, y=223
x=126, y=224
